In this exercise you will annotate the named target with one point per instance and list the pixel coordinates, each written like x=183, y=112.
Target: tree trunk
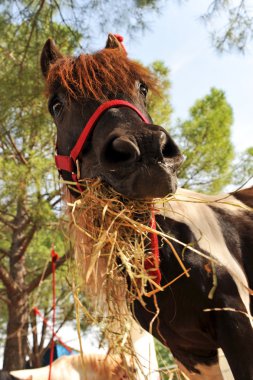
x=18, y=288
x=16, y=346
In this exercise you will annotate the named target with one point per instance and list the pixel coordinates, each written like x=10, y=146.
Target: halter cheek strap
x=69, y=163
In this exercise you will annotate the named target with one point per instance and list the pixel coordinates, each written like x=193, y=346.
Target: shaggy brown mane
x=99, y=76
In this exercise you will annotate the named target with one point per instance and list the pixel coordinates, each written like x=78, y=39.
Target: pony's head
x=123, y=147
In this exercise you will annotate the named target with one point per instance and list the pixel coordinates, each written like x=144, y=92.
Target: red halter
x=69, y=163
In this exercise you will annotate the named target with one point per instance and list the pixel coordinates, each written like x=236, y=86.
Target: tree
x=159, y=105
x=205, y=140
x=29, y=193
x=130, y=16
x=237, y=32
x=242, y=170
x=127, y=16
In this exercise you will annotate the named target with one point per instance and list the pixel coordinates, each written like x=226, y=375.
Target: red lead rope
x=47, y=323
x=54, y=258
x=152, y=263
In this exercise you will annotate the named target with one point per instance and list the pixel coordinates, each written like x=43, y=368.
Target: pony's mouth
x=143, y=181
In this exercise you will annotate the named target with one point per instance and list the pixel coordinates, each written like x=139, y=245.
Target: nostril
x=120, y=150
x=163, y=139
x=168, y=148
x=125, y=146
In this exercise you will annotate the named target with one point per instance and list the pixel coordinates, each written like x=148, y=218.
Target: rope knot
x=54, y=255
x=121, y=39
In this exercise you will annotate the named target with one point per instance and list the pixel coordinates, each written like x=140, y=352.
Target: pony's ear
x=114, y=42
x=49, y=54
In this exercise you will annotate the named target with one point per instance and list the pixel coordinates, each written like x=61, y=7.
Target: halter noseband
x=70, y=163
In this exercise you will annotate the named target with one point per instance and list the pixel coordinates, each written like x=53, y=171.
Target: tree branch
x=66, y=317
x=43, y=335
x=58, y=200
x=42, y=2
x=26, y=241
x=41, y=277
x=65, y=23
x=7, y=223
x=17, y=151
x=5, y=300
x=50, y=196
x=7, y=280
x=4, y=253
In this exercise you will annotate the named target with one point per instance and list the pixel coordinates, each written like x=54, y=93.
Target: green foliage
x=124, y=16
x=237, y=31
x=166, y=362
x=29, y=191
x=146, y=3
x=205, y=140
x=243, y=168
x=26, y=130
x=159, y=106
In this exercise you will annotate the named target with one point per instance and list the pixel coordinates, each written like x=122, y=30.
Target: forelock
x=99, y=76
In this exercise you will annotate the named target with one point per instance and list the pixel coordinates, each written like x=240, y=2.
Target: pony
x=97, y=366
x=98, y=103
x=75, y=367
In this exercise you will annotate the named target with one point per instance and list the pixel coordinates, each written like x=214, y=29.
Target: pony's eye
x=56, y=108
x=143, y=89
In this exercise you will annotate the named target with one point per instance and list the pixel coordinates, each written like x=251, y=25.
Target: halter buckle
x=78, y=171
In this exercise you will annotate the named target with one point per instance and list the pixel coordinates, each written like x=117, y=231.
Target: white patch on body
x=192, y=209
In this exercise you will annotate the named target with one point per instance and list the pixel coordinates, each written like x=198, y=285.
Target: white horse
x=98, y=366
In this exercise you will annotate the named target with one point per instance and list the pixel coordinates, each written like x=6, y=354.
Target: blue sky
x=179, y=38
